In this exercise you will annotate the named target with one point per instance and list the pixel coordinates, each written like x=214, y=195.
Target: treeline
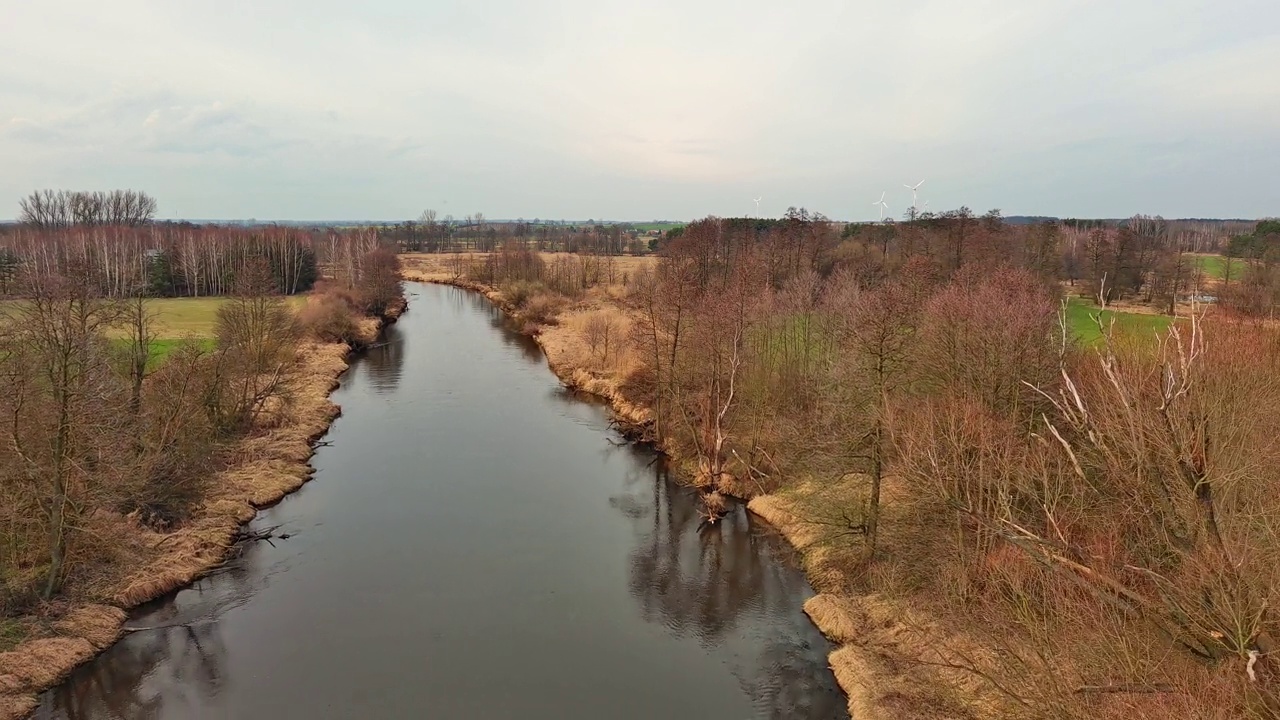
x=101, y=437
x=64, y=208
x=474, y=233
x=172, y=260
x=1197, y=235
x=1143, y=259
x=1101, y=522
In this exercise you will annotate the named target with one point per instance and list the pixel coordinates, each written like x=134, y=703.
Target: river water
x=476, y=543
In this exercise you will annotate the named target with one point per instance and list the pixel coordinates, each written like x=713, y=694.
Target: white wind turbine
x=883, y=205
x=757, y=202
x=913, y=189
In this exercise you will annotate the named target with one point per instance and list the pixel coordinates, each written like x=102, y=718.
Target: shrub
x=175, y=449
x=518, y=292
x=543, y=308
x=331, y=318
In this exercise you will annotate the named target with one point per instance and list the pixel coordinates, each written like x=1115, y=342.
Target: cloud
x=571, y=108
x=149, y=124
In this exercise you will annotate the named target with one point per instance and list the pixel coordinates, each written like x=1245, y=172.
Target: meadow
x=179, y=320
x=660, y=226
x=1084, y=328
x=1215, y=266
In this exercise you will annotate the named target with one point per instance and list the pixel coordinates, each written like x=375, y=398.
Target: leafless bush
x=519, y=292
x=253, y=367
x=331, y=318
x=598, y=330
x=175, y=444
x=543, y=308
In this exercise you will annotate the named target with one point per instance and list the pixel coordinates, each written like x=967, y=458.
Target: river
x=476, y=543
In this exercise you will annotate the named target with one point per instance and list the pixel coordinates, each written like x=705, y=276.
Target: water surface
x=476, y=544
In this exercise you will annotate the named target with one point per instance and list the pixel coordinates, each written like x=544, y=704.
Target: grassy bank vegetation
x=1000, y=521
x=121, y=478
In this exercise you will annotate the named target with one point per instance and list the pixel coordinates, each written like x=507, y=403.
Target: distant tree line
x=165, y=260
x=474, y=233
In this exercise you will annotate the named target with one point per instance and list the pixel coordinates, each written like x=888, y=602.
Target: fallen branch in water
x=245, y=535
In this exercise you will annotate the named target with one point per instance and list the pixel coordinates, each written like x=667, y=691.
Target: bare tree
x=379, y=280
x=61, y=408
x=256, y=358
x=64, y=208
x=879, y=339
x=138, y=320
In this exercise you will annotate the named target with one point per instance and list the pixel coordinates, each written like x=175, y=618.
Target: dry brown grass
x=137, y=565
x=99, y=624
x=40, y=663
x=15, y=706
x=440, y=267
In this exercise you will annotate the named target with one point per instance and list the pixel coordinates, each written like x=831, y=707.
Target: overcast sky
x=319, y=109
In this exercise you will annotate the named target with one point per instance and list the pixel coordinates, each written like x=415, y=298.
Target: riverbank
x=880, y=642
x=568, y=355
x=265, y=466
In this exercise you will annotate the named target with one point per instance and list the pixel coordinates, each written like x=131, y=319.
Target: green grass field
x=663, y=226
x=1084, y=330
x=1215, y=266
x=180, y=319
x=161, y=349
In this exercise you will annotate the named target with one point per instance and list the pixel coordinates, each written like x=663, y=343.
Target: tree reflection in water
x=186, y=646
x=384, y=362
x=732, y=586
x=507, y=328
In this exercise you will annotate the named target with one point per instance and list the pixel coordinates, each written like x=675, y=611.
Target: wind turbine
x=883, y=205
x=913, y=189
x=757, y=202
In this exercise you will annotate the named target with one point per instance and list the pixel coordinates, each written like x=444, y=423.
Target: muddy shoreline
x=268, y=466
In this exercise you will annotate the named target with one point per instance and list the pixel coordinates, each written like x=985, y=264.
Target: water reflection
x=509, y=331
x=725, y=582
x=385, y=360
x=171, y=643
